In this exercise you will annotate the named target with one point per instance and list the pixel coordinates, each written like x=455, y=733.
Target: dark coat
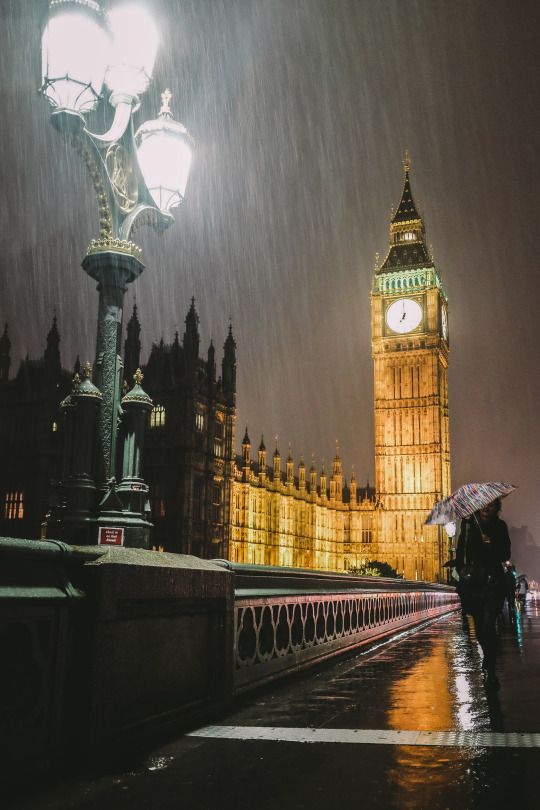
x=471, y=550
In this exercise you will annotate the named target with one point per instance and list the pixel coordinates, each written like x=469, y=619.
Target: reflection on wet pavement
x=427, y=681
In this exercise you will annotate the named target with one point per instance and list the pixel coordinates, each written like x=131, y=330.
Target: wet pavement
x=407, y=724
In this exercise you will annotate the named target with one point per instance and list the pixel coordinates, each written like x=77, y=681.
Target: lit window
x=14, y=505
x=157, y=416
x=409, y=236
x=199, y=421
x=218, y=448
x=54, y=427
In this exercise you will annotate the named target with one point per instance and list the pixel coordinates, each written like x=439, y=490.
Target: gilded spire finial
x=165, y=102
x=407, y=162
x=138, y=377
x=76, y=382
x=87, y=370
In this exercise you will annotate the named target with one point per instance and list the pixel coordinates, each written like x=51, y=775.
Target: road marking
x=360, y=736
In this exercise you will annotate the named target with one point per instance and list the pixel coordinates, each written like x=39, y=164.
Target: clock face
x=444, y=323
x=403, y=315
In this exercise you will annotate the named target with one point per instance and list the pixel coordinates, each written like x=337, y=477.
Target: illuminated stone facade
x=409, y=317
x=283, y=519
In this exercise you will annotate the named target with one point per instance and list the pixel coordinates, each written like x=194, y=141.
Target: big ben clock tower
x=409, y=327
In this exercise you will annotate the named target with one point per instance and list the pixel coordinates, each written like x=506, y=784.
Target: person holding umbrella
x=483, y=546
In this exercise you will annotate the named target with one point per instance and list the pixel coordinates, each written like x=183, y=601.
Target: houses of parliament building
x=258, y=506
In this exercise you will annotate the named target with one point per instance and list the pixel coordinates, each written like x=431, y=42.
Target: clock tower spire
x=409, y=320
x=407, y=231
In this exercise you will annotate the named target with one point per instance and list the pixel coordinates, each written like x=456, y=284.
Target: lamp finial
x=165, y=102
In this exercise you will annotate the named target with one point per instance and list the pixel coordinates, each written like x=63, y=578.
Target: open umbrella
x=467, y=500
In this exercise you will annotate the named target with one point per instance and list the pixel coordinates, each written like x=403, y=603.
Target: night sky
x=302, y=110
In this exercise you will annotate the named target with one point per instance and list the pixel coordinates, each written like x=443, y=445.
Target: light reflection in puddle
x=159, y=763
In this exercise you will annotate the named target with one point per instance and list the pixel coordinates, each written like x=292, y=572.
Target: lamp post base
x=117, y=520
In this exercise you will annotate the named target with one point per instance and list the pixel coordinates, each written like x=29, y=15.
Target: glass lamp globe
x=75, y=53
x=134, y=49
x=165, y=151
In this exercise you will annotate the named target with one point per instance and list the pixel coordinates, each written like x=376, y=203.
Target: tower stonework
x=409, y=321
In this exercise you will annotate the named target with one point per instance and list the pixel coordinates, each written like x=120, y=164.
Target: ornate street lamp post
x=138, y=178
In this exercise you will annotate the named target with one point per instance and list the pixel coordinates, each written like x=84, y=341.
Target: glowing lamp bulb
x=165, y=151
x=75, y=51
x=134, y=48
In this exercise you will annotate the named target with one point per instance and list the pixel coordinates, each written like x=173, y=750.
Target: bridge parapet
x=113, y=644
x=287, y=619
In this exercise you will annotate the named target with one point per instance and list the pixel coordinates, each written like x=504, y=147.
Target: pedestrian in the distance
x=522, y=589
x=483, y=547
x=510, y=587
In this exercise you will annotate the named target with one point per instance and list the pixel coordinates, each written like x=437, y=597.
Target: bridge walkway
x=404, y=724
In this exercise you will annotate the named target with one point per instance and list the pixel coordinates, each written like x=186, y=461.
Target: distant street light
x=138, y=179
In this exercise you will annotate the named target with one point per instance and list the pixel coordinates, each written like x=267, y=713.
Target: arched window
x=157, y=416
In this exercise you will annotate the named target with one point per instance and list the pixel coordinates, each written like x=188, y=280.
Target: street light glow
x=165, y=152
x=134, y=49
x=75, y=51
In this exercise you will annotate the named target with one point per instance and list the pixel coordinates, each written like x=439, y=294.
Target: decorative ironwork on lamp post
x=138, y=178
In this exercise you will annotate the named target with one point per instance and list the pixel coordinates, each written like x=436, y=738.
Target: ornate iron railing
x=277, y=633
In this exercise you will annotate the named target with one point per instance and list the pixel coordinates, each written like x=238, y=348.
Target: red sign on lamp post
x=110, y=536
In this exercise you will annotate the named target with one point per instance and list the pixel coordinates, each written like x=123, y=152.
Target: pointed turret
x=277, y=464
x=407, y=233
x=52, y=352
x=336, y=483
x=246, y=449
x=132, y=345
x=228, y=366
x=5, y=359
x=191, y=338
x=353, y=487
x=302, y=475
x=290, y=468
x=312, y=478
x=323, y=481
x=211, y=362
x=261, y=458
